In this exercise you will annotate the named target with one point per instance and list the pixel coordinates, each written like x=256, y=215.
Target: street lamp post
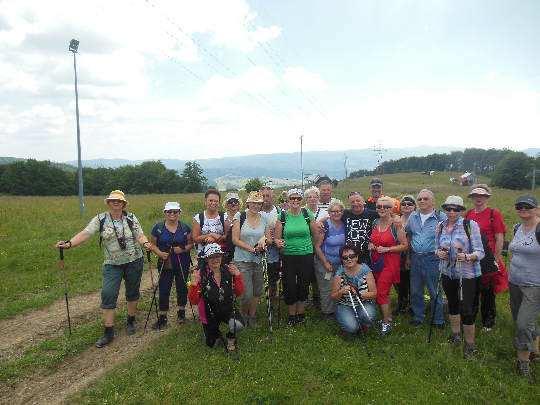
x=73, y=47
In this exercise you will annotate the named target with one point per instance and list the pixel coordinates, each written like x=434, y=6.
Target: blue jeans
x=425, y=273
x=347, y=320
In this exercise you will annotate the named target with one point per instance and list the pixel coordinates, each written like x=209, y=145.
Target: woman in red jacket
x=214, y=290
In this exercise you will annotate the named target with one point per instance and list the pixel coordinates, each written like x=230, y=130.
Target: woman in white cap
x=249, y=233
x=174, y=237
x=293, y=234
x=120, y=235
x=491, y=223
x=213, y=290
x=460, y=249
x=525, y=283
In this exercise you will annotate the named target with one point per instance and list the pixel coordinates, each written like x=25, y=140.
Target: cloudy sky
x=201, y=78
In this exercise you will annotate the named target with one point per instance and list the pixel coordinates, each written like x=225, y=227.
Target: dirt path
x=26, y=330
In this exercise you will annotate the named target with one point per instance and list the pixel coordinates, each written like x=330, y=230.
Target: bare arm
x=499, y=241
x=236, y=238
x=372, y=288
x=75, y=241
x=278, y=232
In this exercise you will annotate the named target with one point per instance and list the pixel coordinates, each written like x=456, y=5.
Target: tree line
x=507, y=168
x=33, y=177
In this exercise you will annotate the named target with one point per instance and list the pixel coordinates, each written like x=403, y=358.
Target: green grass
x=313, y=364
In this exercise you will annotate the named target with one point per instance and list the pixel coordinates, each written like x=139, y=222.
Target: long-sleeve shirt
x=456, y=242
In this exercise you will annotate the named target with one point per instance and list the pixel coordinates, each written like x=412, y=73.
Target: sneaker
x=455, y=339
x=487, y=328
x=292, y=320
x=231, y=344
x=415, y=322
x=181, y=317
x=469, y=351
x=104, y=340
x=130, y=326
x=161, y=323
x=386, y=327
x=523, y=368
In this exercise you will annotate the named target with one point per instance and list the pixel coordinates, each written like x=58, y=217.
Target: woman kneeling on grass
x=525, y=283
x=460, y=249
x=214, y=290
x=119, y=232
x=354, y=289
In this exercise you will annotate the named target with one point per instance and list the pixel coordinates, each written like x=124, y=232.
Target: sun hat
x=453, y=200
x=212, y=249
x=527, y=199
x=254, y=197
x=408, y=198
x=231, y=196
x=480, y=189
x=172, y=205
x=116, y=195
x=375, y=182
x=295, y=191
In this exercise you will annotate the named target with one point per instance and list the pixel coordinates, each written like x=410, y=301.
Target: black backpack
x=536, y=232
x=283, y=217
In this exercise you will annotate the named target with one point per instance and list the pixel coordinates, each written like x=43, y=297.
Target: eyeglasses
x=383, y=207
x=407, y=204
x=172, y=212
x=233, y=201
x=520, y=207
x=295, y=198
x=350, y=257
x=453, y=209
x=336, y=212
x=422, y=199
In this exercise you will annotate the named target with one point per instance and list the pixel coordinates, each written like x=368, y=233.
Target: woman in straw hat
x=460, y=251
x=249, y=233
x=120, y=237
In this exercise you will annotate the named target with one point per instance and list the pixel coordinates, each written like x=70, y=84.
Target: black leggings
x=165, y=284
x=468, y=307
x=297, y=274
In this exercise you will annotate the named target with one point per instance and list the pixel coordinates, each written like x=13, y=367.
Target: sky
x=199, y=79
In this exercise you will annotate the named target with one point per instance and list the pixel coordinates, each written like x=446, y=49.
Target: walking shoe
x=130, y=325
x=300, y=318
x=386, y=327
x=469, y=351
x=523, y=368
x=253, y=322
x=292, y=320
x=415, y=322
x=107, y=338
x=161, y=323
x=455, y=339
x=487, y=328
x=181, y=318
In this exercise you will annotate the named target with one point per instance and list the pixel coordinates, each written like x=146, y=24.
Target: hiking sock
x=109, y=331
x=130, y=319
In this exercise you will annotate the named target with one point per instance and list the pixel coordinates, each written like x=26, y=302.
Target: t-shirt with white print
x=210, y=225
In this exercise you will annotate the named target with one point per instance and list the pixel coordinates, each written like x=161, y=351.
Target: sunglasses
x=233, y=201
x=453, y=209
x=520, y=207
x=423, y=198
x=350, y=257
x=295, y=198
x=407, y=204
x=173, y=212
x=383, y=207
x=115, y=201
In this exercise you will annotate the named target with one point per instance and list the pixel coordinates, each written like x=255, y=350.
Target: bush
x=512, y=171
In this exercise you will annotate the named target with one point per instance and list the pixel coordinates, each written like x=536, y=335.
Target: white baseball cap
x=172, y=205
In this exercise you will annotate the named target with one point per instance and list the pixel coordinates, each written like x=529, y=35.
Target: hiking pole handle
x=61, y=251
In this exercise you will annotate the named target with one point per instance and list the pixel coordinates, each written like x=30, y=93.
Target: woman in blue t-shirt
x=173, y=237
x=354, y=290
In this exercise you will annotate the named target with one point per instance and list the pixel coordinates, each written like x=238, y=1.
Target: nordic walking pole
x=153, y=296
x=355, y=311
x=149, y=257
x=62, y=268
x=185, y=283
x=269, y=309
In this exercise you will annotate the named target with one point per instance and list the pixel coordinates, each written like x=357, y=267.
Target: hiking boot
x=130, y=325
x=415, y=322
x=523, y=368
x=291, y=321
x=300, y=319
x=161, y=323
x=386, y=328
x=469, y=351
x=455, y=339
x=181, y=316
x=107, y=338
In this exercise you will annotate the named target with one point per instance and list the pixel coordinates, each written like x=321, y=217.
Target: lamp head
x=73, y=45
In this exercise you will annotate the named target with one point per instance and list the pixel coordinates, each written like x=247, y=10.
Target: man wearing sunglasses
x=421, y=228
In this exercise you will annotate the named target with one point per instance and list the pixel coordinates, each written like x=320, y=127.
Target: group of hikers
x=341, y=260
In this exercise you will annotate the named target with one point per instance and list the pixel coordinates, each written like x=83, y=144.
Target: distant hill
x=4, y=160
x=284, y=165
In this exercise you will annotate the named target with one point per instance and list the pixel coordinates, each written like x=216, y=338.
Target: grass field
x=306, y=364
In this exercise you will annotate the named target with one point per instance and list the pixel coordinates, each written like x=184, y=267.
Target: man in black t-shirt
x=358, y=225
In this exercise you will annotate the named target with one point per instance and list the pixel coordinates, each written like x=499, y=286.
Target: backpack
x=488, y=264
x=221, y=218
x=228, y=239
x=283, y=217
x=129, y=219
x=536, y=232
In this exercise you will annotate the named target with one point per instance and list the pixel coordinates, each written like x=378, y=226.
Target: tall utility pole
x=73, y=47
x=345, y=165
x=302, y=159
x=379, y=150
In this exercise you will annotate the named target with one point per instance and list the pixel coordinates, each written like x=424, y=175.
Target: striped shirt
x=358, y=281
